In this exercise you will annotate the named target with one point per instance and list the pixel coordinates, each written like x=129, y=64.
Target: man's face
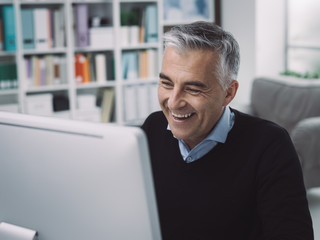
x=190, y=96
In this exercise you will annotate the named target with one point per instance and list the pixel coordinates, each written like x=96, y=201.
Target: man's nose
x=176, y=99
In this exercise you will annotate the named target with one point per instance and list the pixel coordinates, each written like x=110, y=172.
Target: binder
x=101, y=71
x=59, y=29
x=151, y=24
x=143, y=101
x=130, y=65
x=28, y=28
x=9, y=26
x=82, y=28
x=82, y=71
x=107, y=104
x=41, y=30
x=1, y=33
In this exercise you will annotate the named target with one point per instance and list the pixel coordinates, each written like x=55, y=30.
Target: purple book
x=82, y=28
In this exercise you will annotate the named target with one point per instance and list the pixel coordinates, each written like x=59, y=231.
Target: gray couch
x=294, y=104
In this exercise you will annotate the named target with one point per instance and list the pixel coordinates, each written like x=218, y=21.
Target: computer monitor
x=72, y=180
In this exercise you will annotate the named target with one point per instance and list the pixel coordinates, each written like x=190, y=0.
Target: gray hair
x=208, y=36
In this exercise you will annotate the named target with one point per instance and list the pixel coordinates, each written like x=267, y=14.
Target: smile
x=183, y=116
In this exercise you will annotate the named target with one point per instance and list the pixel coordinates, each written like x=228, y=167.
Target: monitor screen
x=72, y=180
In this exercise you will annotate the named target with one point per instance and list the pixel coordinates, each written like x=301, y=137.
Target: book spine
x=82, y=28
x=9, y=28
x=151, y=24
x=28, y=28
x=41, y=28
x=100, y=64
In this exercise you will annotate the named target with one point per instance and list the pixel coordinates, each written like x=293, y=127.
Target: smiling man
x=219, y=173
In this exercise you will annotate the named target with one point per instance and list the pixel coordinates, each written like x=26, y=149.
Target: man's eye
x=193, y=90
x=166, y=83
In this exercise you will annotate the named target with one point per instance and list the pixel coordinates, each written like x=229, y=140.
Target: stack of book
x=91, y=32
x=45, y=70
x=93, y=67
x=8, y=76
x=139, y=101
x=39, y=104
x=43, y=28
x=139, y=64
x=139, y=26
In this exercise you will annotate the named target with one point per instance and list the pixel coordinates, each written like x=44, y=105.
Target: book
x=101, y=37
x=27, y=29
x=134, y=35
x=130, y=65
x=59, y=28
x=130, y=103
x=1, y=33
x=107, y=105
x=9, y=28
x=143, y=101
x=152, y=59
x=8, y=75
x=125, y=35
x=82, y=71
x=153, y=98
x=100, y=67
x=86, y=101
x=82, y=25
x=78, y=62
x=50, y=28
x=151, y=24
x=49, y=70
x=39, y=104
x=42, y=71
x=143, y=64
x=41, y=31
x=86, y=70
x=36, y=71
x=57, y=78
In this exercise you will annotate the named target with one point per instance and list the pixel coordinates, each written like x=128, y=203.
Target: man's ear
x=231, y=91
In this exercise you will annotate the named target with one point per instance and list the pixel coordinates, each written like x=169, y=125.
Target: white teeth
x=181, y=116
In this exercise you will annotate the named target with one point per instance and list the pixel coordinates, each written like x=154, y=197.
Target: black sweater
x=250, y=187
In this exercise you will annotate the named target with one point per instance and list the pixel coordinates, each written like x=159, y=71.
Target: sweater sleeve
x=281, y=195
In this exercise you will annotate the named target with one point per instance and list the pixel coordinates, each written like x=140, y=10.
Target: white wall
x=238, y=17
x=270, y=37
x=259, y=27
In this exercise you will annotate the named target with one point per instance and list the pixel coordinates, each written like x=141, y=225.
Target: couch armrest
x=306, y=139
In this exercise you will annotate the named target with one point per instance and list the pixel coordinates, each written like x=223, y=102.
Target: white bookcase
x=135, y=94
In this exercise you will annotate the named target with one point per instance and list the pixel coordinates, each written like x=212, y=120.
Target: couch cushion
x=285, y=100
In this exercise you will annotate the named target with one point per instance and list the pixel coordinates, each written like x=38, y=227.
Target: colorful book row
x=91, y=31
x=139, y=101
x=139, y=64
x=43, y=28
x=90, y=67
x=8, y=76
x=139, y=26
x=45, y=70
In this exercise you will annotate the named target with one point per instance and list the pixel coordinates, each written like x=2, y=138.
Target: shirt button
x=189, y=159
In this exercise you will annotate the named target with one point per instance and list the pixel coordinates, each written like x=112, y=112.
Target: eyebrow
x=161, y=75
x=190, y=83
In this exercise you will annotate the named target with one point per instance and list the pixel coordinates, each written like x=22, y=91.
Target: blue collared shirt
x=218, y=134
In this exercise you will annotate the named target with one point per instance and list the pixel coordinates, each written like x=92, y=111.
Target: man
x=219, y=173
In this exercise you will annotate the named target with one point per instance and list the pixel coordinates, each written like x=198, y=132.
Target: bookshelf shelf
x=7, y=54
x=4, y=92
x=96, y=85
x=62, y=87
x=44, y=52
x=92, y=50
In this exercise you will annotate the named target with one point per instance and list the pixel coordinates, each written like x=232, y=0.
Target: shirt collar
x=221, y=130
